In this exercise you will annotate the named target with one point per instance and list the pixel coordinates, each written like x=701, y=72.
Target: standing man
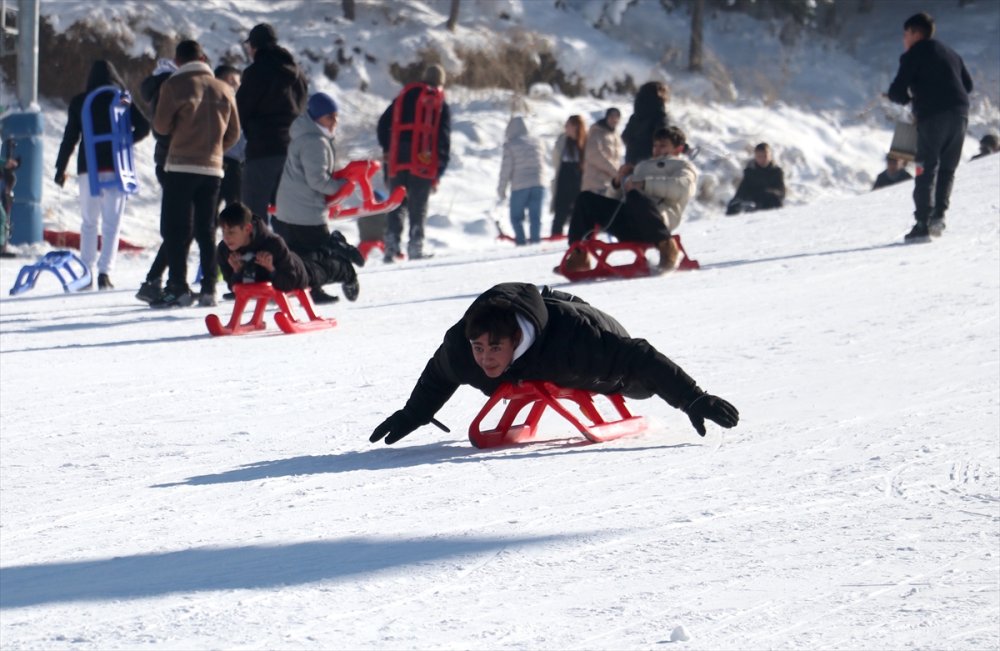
x=415, y=135
x=934, y=78
x=273, y=93
x=199, y=114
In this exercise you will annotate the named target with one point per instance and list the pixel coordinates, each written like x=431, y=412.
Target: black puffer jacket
x=289, y=271
x=649, y=115
x=576, y=346
x=272, y=94
x=102, y=73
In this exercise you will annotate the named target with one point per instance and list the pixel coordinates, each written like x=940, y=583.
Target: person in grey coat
x=522, y=169
x=306, y=182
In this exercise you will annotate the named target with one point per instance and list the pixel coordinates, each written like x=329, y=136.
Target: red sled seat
x=540, y=396
x=358, y=175
x=604, y=267
x=264, y=293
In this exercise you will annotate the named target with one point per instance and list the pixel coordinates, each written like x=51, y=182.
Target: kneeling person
x=656, y=191
x=514, y=332
x=251, y=253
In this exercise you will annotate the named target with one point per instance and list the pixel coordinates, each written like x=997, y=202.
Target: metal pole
x=27, y=53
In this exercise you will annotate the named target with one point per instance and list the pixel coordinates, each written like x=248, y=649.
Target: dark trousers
x=567, y=187
x=635, y=220
x=308, y=242
x=189, y=210
x=413, y=208
x=232, y=181
x=939, y=149
x=260, y=183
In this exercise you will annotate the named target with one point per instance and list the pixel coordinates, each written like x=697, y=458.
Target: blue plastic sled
x=120, y=138
x=58, y=262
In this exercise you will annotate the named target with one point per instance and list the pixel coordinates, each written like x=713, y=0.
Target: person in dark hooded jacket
x=108, y=207
x=649, y=114
x=763, y=184
x=272, y=94
x=250, y=252
x=514, y=332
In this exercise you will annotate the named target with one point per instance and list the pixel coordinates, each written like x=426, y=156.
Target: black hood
x=523, y=297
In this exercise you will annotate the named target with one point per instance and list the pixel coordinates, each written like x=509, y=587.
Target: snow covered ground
x=162, y=488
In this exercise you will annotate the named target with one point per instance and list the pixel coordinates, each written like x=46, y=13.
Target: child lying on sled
x=515, y=332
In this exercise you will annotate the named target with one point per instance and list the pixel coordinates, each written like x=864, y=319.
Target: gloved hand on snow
x=714, y=409
x=396, y=427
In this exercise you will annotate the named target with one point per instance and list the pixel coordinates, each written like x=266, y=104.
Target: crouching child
x=514, y=332
x=250, y=252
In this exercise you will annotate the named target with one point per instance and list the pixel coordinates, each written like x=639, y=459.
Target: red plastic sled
x=358, y=174
x=543, y=395
x=601, y=251
x=264, y=293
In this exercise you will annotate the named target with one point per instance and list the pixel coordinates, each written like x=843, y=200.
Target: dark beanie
x=321, y=104
x=262, y=35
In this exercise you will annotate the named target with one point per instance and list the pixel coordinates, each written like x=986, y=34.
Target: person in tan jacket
x=602, y=156
x=655, y=193
x=199, y=114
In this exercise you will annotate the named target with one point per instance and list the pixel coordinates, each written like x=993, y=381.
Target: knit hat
x=261, y=35
x=434, y=75
x=321, y=104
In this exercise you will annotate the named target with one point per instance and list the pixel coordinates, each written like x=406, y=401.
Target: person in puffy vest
x=514, y=332
x=104, y=211
x=415, y=135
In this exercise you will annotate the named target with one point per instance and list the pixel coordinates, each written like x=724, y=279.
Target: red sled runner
x=544, y=395
x=265, y=293
x=604, y=267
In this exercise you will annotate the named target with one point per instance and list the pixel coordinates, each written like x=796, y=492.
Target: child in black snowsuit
x=251, y=253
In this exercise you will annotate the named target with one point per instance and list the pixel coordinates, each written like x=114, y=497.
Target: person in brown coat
x=199, y=114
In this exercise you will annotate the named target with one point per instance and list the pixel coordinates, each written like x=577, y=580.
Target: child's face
x=762, y=156
x=493, y=358
x=236, y=237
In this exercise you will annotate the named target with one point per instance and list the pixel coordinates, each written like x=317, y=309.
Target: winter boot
x=919, y=233
x=338, y=246
x=936, y=227
x=104, y=282
x=320, y=297
x=578, y=260
x=670, y=254
x=149, y=291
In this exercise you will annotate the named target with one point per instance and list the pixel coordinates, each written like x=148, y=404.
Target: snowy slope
x=164, y=489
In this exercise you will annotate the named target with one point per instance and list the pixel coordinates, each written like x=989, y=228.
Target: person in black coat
x=649, y=114
x=514, y=332
x=420, y=177
x=272, y=94
x=763, y=184
x=104, y=211
x=933, y=77
x=895, y=172
x=250, y=252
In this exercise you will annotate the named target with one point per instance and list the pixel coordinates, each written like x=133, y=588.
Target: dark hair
x=763, y=146
x=650, y=96
x=612, y=111
x=236, y=214
x=188, y=51
x=922, y=23
x=495, y=317
x=224, y=69
x=674, y=134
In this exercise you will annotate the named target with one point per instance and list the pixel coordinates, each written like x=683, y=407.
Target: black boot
x=919, y=233
x=320, y=297
x=338, y=246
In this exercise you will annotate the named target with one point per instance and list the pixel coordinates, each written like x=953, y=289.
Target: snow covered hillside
x=164, y=489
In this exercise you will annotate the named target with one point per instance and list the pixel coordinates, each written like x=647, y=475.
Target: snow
x=162, y=488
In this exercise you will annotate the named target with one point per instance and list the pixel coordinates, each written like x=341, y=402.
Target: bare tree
x=695, y=57
x=453, y=15
x=348, y=9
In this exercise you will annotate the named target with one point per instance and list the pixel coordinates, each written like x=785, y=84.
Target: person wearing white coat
x=522, y=169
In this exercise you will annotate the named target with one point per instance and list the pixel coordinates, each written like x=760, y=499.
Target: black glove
x=60, y=179
x=396, y=426
x=713, y=408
